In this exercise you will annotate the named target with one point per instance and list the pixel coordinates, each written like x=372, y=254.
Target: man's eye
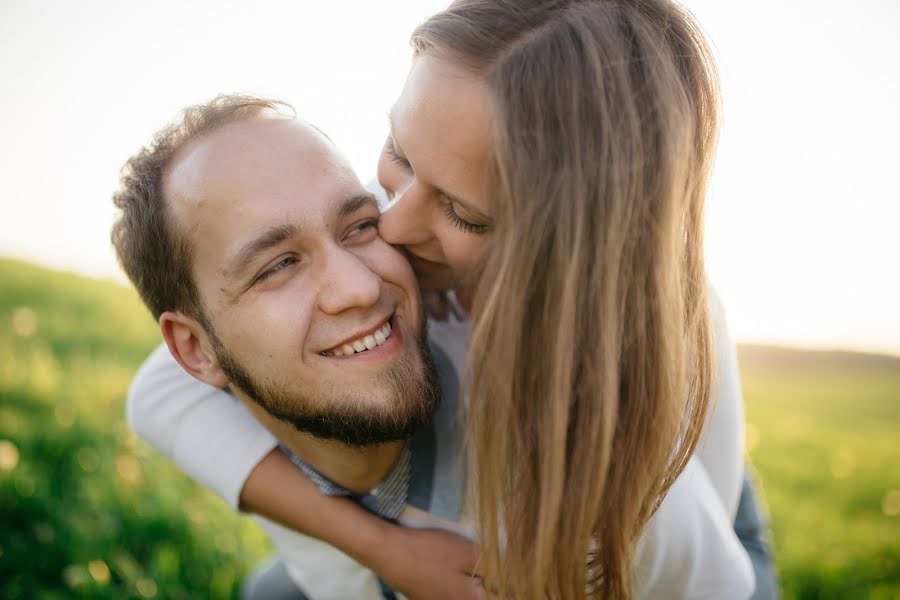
x=282, y=264
x=363, y=227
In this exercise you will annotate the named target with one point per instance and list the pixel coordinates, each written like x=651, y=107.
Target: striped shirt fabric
x=386, y=500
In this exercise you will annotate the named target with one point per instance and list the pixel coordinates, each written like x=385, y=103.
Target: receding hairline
x=264, y=115
x=178, y=232
x=181, y=158
x=192, y=176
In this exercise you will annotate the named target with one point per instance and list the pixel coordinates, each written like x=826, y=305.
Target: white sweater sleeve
x=204, y=430
x=721, y=447
x=689, y=549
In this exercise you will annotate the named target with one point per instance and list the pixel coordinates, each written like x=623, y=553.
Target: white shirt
x=688, y=550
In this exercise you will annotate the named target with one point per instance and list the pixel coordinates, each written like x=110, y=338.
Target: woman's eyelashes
x=395, y=156
x=461, y=223
x=452, y=215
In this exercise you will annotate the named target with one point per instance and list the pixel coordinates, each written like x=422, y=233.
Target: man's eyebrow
x=277, y=234
x=267, y=239
x=353, y=203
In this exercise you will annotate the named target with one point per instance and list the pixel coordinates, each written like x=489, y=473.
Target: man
x=255, y=246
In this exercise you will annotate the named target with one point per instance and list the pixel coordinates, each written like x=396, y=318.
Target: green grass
x=87, y=509
x=824, y=436
x=90, y=511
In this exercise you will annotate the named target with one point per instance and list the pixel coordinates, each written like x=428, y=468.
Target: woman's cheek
x=465, y=252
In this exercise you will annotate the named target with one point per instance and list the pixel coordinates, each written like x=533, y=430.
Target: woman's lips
x=422, y=265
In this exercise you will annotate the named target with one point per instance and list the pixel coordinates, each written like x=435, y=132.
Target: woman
x=607, y=239
x=548, y=161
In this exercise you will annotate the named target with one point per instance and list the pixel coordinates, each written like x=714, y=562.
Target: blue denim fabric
x=752, y=529
x=270, y=581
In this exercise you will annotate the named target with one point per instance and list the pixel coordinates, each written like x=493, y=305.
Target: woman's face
x=434, y=169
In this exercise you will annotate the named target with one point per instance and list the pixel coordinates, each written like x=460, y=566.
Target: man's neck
x=359, y=469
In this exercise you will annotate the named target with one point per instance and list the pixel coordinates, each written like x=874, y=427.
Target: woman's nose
x=406, y=220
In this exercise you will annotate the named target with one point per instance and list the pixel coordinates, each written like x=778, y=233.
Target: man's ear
x=190, y=345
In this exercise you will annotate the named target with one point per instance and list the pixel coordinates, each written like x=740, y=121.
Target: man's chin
x=390, y=406
x=357, y=431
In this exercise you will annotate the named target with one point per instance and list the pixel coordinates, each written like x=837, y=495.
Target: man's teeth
x=364, y=343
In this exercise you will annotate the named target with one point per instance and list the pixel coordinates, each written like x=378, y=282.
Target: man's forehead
x=252, y=147
x=253, y=168
x=247, y=180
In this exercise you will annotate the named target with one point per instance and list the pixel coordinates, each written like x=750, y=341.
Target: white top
x=689, y=549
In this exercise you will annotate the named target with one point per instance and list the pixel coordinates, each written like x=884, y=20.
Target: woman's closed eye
x=463, y=224
x=395, y=156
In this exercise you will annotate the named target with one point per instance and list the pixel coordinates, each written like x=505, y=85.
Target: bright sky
x=803, y=231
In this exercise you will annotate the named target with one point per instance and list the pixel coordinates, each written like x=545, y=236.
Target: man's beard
x=412, y=399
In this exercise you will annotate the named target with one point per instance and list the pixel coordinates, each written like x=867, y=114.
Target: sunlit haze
x=803, y=227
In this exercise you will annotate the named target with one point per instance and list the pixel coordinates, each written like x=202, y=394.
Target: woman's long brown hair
x=590, y=355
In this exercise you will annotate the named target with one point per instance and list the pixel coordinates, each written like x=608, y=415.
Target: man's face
x=310, y=313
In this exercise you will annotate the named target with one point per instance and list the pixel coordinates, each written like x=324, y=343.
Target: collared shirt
x=386, y=500
x=427, y=476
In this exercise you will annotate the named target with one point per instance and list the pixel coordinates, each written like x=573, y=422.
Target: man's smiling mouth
x=364, y=343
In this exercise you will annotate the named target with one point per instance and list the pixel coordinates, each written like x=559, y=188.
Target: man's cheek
x=387, y=262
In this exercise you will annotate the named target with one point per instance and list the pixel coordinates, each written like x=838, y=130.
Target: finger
x=478, y=592
x=489, y=588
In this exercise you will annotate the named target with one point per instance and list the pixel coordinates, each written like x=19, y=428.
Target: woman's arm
x=215, y=440
x=689, y=548
x=721, y=447
x=419, y=563
x=203, y=430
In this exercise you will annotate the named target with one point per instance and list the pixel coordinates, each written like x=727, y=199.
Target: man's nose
x=348, y=283
x=406, y=220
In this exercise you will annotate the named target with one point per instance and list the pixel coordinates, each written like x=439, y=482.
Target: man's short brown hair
x=154, y=253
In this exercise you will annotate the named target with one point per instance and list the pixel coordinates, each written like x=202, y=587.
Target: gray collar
x=387, y=499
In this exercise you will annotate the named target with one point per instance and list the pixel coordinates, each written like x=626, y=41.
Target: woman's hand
x=429, y=564
x=422, y=564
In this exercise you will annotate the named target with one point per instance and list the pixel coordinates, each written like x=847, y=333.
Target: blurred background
x=803, y=240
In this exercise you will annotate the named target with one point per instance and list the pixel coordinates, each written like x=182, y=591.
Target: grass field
x=824, y=435
x=87, y=510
